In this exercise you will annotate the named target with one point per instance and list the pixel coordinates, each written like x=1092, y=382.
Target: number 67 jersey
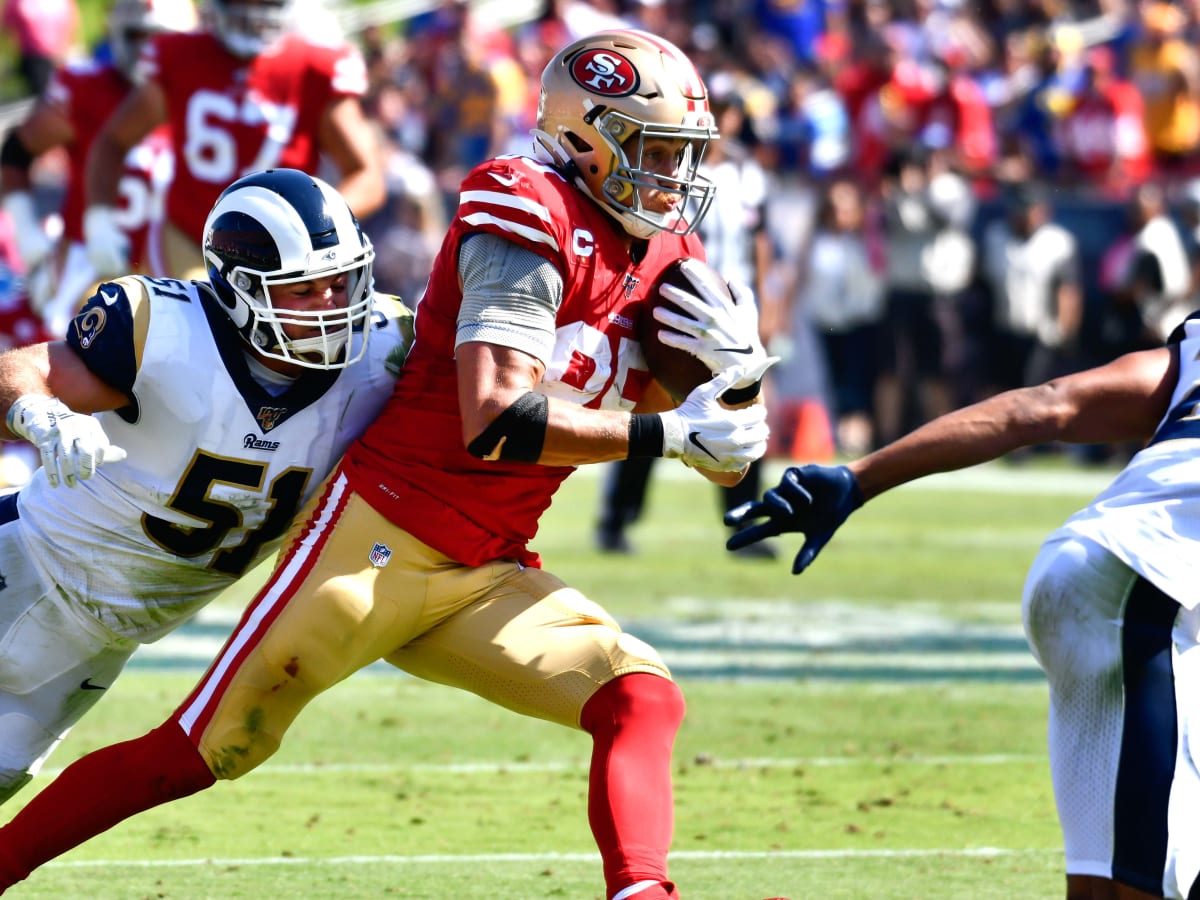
x=217, y=465
x=230, y=116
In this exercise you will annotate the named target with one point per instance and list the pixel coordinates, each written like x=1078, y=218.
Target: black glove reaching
x=811, y=499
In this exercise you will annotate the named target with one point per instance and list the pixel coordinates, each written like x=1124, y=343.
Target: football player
x=230, y=399
x=76, y=103
x=1111, y=604
x=525, y=365
x=241, y=95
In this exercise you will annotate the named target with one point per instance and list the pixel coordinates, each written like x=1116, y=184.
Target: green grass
x=883, y=736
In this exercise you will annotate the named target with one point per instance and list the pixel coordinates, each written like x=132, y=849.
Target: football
x=676, y=370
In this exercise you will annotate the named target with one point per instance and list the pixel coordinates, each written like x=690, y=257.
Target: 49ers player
x=74, y=107
x=525, y=365
x=241, y=95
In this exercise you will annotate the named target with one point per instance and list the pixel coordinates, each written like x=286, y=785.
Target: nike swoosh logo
x=746, y=349
x=86, y=685
x=506, y=180
x=694, y=438
x=109, y=299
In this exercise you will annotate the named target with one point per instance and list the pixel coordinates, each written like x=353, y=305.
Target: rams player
x=526, y=364
x=74, y=107
x=241, y=95
x=220, y=406
x=1111, y=604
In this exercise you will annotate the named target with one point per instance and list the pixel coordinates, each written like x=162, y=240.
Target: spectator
x=1146, y=276
x=814, y=130
x=840, y=288
x=1166, y=70
x=1031, y=268
x=911, y=385
x=1103, y=136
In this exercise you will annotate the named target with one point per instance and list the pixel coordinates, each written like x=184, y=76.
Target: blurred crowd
x=961, y=197
x=956, y=197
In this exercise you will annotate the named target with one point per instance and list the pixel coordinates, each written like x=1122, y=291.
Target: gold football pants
x=351, y=588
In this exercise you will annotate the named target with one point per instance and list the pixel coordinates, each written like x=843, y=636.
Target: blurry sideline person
x=838, y=291
x=265, y=97
x=229, y=400
x=75, y=105
x=737, y=245
x=1111, y=604
x=928, y=210
x=1147, y=275
x=1032, y=269
x=525, y=365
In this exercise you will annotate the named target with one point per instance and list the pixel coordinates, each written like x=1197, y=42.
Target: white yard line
x=459, y=859
x=581, y=764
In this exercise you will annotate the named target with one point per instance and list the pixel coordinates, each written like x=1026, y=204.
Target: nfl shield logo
x=380, y=554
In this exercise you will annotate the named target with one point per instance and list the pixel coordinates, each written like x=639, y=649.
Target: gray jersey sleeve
x=510, y=296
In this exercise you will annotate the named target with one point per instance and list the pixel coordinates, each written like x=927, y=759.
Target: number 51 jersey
x=217, y=466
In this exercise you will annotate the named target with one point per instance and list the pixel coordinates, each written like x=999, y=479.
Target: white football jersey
x=1149, y=517
x=217, y=466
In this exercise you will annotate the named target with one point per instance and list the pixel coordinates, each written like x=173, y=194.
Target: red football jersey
x=86, y=94
x=411, y=464
x=231, y=116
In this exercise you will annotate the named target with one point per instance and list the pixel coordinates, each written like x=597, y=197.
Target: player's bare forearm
x=493, y=382
x=136, y=116
x=54, y=370
x=105, y=160
x=1121, y=401
x=364, y=190
x=348, y=139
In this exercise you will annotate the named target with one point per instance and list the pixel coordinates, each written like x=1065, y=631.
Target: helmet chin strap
x=548, y=150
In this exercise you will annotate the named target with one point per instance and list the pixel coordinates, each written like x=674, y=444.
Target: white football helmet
x=604, y=89
x=282, y=226
x=131, y=21
x=247, y=27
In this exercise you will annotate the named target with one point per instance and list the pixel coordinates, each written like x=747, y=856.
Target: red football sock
x=96, y=792
x=632, y=721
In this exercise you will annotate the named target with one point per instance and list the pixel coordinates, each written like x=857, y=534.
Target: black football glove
x=811, y=499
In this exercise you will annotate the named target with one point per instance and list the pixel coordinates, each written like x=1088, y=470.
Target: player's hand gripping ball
x=678, y=371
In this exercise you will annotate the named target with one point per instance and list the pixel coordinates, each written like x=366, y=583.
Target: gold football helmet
x=602, y=98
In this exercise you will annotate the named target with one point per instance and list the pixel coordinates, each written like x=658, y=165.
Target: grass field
x=873, y=728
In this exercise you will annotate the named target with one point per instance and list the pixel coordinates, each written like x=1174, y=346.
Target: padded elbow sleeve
x=517, y=434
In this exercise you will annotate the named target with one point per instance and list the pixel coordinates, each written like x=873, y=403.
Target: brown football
x=676, y=370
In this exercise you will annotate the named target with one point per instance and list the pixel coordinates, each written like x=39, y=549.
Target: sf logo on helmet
x=605, y=72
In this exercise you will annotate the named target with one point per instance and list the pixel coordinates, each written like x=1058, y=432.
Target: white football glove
x=107, y=245
x=33, y=244
x=717, y=333
x=72, y=445
x=704, y=433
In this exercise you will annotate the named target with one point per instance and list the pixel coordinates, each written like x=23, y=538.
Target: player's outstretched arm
x=1123, y=400
x=47, y=392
